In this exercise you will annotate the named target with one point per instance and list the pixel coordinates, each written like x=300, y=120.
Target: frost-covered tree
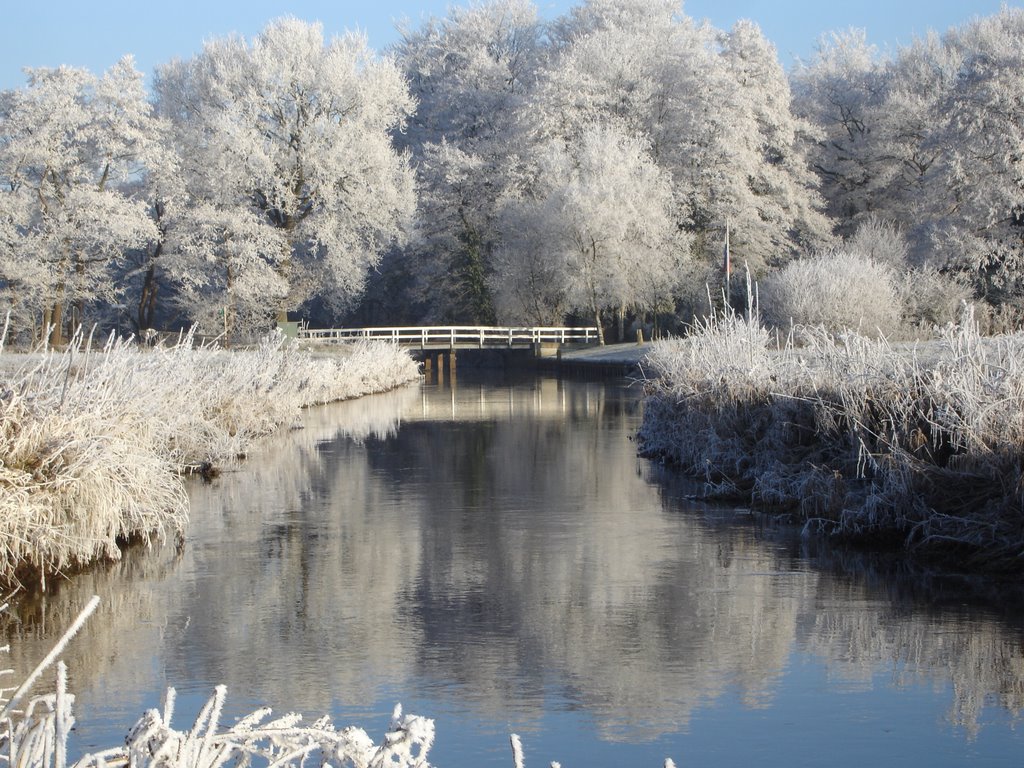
x=839, y=91
x=529, y=281
x=497, y=91
x=975, y=195
x=714, y=108
x=880, y=124
x=70, y=144
x=771, y=194
x=294, y=187
x=930, y=140
x=25, y=278
x=225, y=265
x=608, y=222
x=907, y=147
x=641, y=67
x=471, y=74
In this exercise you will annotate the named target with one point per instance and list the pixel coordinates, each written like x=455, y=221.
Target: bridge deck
x=455, y=337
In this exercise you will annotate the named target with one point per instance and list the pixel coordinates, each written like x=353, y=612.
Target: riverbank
x=920, y=448
x=600, y=361
x=94, y=441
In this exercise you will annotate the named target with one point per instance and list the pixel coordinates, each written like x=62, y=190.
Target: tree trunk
x=78, y=305
x=150, y=287
x=44, y=330
x=147, y=300
x=230, y=281
x=593, y=294
x=57, y=325
x=76, y=318
x=621, y=323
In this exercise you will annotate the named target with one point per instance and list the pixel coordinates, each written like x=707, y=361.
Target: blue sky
x=96, y=34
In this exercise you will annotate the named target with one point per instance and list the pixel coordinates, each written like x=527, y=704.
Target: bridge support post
x=438, y=365
x=432, y=369
x=546, y=349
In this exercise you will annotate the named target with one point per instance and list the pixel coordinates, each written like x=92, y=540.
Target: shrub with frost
x=932, y=299
x=838, y=290
x=882, y=241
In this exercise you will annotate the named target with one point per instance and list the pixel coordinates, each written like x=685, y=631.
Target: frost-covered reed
x=93, y=440
x=923, y=445
x=34, y=733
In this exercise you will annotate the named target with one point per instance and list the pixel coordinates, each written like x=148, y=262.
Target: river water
x=495, y=556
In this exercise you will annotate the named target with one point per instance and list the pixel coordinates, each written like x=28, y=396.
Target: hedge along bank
x=920, y=445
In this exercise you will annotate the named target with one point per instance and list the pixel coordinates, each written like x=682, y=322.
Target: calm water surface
x=495, y=556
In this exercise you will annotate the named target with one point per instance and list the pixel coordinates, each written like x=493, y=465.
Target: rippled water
x=495, y=556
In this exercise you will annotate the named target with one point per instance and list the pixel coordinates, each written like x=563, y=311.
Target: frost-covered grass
x=93, y=441
x=860, y=438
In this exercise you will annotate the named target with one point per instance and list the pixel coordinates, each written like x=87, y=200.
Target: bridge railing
x=455, y=335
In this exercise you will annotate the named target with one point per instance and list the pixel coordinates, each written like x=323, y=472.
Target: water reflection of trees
x=639, y=615
x=110, y=656
x=923, y=630
x=414, y=564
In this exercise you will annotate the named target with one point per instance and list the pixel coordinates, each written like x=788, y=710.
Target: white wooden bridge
x=453, y=337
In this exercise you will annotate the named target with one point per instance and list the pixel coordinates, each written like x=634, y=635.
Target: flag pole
x=728, y=265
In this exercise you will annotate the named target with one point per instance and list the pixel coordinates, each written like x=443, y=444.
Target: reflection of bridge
x=456, y=337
